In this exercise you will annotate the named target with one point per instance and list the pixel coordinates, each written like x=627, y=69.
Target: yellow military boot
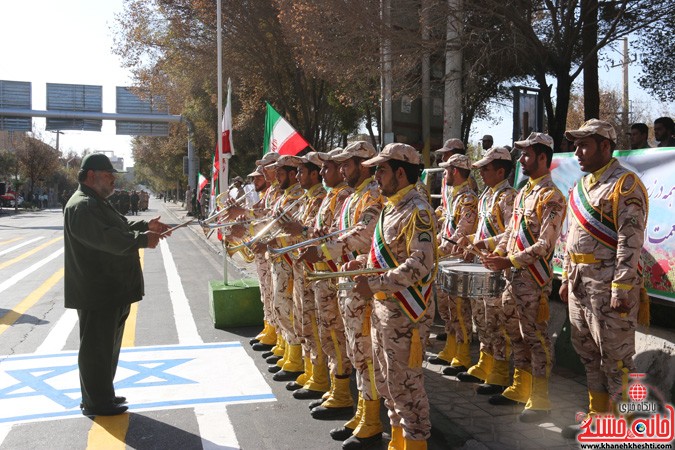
x=303, y=378
x=294, y=365
x=261, y=334
x=518, y=392
x=369, y=429
x=447, y=354
x=397, y=442
x=538, y=405
x=478, y=373
x=317, y=385
x=276, y=367
x=270, y=336
x=461, y=361
x=409, y=444
x=264, y=342
x=497, y=379
x=345, y=431
x=339, y=404
x=598, y=403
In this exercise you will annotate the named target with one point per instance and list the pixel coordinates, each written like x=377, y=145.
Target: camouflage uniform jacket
x=283, y=203
x=408, y=229
x=330, y=207
x=361, y=209
x=495, y=207
x=542, y=206
x=621, y=198
x=310, y=207
x=264, y=206
x=462, y=219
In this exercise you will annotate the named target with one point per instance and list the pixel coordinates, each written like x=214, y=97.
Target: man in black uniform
x=103, y=277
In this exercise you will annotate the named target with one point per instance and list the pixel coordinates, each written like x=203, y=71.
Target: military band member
x=291, y=365
x=460, y=220
x=360, y=210
x=314, y=381
x=526, y=248
x=601, y=275
x=404, y=243
x=495, y=207
x=331, y=328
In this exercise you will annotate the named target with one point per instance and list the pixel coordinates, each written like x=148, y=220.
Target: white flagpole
x=219, y=136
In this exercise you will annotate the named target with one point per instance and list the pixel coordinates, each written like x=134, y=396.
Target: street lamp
x=57, y=137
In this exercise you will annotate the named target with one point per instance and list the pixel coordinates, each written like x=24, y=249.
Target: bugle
x=231, y=224
x=266, y=229
x=315, y=276
x=224, y=209
x=299, y=245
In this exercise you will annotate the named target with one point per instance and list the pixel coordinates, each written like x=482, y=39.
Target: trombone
x=315, y=276
x=299, y=245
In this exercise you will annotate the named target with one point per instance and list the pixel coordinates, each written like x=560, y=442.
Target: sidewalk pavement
x=462, y=419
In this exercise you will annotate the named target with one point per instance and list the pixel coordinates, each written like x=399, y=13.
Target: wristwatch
x=304, y=231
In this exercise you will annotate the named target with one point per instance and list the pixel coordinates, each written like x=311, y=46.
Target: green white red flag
x=280, y=136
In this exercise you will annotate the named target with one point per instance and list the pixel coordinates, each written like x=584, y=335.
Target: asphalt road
x=189, y=385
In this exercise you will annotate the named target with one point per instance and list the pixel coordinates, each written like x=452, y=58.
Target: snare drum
x=443, y=272
x=474, y=281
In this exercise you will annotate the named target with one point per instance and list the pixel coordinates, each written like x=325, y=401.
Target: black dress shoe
x=454, y=370
x=357, y=443
x=341, y=433
x=273, y=359
x=266, y=355
x=466, y=377
x=500, y=400
x=438, y=361
x=260, y=347
x=273, y=368
x=116, y=400
x=293, y=386
x=107, y=410
x=571, y=431
x=442, y=336
x=489, y=389
x=323, y=413
x=254, y=341
x=284, y=375
x=315, y=403
x=533, y=416
x=307, y=394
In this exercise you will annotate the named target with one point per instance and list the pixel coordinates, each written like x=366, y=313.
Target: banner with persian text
x=656, y=169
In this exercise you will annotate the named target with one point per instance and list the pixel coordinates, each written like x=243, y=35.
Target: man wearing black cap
x=103, y=277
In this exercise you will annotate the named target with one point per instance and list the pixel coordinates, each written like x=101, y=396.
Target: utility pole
x=426, y=84
x=387, y=131
x=452, y=102
x=626, y=103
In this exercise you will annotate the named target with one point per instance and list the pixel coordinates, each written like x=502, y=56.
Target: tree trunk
x=589, y=39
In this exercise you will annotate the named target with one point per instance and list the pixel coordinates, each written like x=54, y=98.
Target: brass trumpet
x=315, y=276
x=299, y=245
x=225, y=207
x=231, y=224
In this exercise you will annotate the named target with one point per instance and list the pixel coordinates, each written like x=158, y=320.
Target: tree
x=37, y=160
x=659, y=52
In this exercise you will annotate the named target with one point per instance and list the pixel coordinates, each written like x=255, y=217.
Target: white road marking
x=58, y=336
x=11, y=249
x=11, y=281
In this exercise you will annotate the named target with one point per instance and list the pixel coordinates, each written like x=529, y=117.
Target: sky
x=70, y=41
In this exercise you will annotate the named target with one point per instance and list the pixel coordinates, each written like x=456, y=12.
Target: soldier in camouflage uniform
x=315, y=376
x=601, y=275
x=360, y=210
x=526, y=248
x=404, y=244
x=460, y=220
x=291, y=365
x=330, y=325
x=495, y=207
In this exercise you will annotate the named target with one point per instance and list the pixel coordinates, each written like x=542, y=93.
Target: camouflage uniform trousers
x=304, y=315
x=443, y=306
x=401, y=386
x=459, y=313
x=282, y=285
x=531, y=345
x=331, y=327
x=494, y=339
x=262, y=266
x=603, y=337
x=356, y=314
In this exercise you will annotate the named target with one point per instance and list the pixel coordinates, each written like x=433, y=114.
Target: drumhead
x=451, y=262
x=470, y=268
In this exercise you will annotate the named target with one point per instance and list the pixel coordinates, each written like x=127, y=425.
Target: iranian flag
x=202, y=181
x=214, y=184
x=225, y=150
x=280, y=136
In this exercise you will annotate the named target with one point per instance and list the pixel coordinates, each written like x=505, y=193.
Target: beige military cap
x=268, y=158
x=459, y=161
x=328, y=156
x=399, y=152
x=362, y=149
x=590, y=127
x=450, y=145
x=257, y=172
x=493, y=154
x=288, y=160
x=535, y=138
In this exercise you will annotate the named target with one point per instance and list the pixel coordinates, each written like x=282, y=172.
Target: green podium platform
x=236, y=304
